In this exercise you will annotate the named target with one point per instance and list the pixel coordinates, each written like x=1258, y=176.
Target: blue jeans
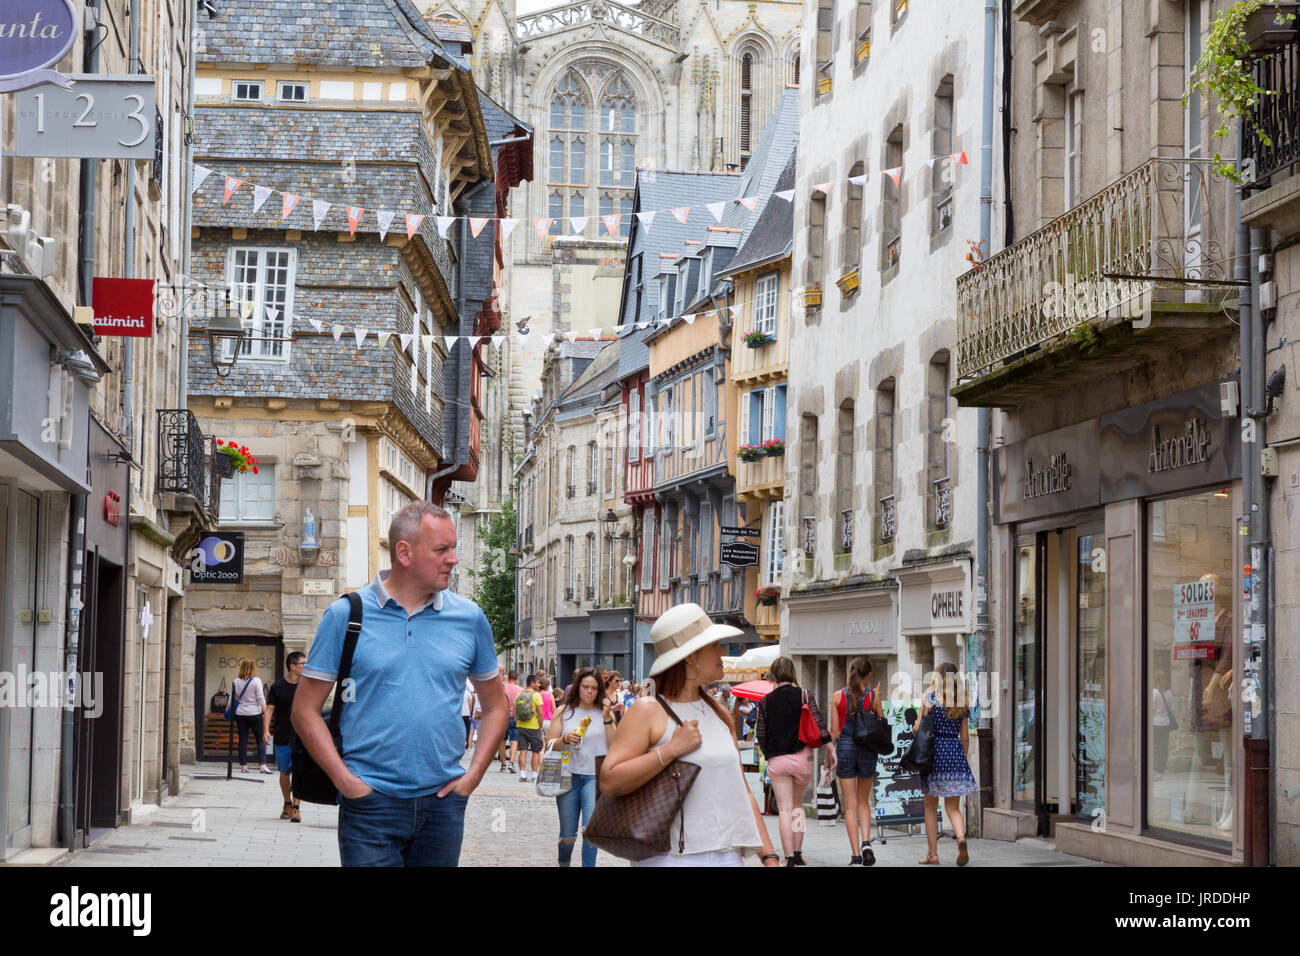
x=581, y=798
x=379, y=830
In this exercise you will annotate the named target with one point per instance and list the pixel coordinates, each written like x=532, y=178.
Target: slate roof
x=601, y=372
x=773, y=232
x=450, y=29
x=661, y=190
x=774, y=148
x=352, y=33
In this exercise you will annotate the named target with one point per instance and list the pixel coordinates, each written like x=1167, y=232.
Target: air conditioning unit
x=40, y=255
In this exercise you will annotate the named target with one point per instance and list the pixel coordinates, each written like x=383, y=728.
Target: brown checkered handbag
x=636, y=825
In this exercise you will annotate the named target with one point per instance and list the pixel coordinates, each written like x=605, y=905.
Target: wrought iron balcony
x=888, y=518
x=1155, y=242
x=1277, y=115
x=846, y=531
x=591, y=594
x=588, y=12
x=942, y=502
x=528, y=538
x=188, y=460
x=570, y=491
x=568, y=594
x=809, y=535
x=591, y=488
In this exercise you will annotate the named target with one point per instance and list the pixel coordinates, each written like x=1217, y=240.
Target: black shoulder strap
x=345, y=662
x=665, y=706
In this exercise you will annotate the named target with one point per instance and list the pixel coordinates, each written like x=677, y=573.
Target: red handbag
x=810, y=734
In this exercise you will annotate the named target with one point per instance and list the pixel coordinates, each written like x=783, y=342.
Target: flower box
x=1265, y=32
x=823, y=86
x=750, y=452
x=849, y=282
x=812, y=298
x=773, y=448
x=239, y=457
x=767, y=596
x=756, y=340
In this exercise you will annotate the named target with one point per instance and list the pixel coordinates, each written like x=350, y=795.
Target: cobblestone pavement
x=215, y=822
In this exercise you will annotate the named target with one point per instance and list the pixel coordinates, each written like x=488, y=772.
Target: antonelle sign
x=35, y=35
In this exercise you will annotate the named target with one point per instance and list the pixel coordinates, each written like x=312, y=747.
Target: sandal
x=297, y=816
x=287, y=811
x=264, y=769
x=929, y=859
x=962, y=856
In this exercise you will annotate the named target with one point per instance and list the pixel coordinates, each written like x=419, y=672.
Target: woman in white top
x=248, y=691
x=719, y=819
x=585, y=745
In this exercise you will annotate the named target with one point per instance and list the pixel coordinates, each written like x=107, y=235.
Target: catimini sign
x=34, y=36
x=123, y=307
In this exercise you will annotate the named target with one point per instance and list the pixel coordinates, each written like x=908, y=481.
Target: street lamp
x=225, y=337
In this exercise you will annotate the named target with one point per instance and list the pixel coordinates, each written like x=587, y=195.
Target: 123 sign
x=100, y=117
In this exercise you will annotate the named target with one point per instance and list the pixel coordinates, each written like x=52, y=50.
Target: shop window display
x=1189, y=679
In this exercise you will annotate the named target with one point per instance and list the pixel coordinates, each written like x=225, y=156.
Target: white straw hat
x=683, y=630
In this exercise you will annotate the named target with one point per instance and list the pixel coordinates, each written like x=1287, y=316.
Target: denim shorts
x=852, y=760
x=512, y=733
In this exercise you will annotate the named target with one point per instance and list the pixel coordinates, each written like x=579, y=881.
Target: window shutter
x=755, y=416
x=779, y=428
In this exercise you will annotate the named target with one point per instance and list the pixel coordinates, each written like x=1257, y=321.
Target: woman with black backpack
x=855, y=765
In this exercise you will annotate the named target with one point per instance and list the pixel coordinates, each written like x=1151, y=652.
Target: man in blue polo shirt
x=403, y=788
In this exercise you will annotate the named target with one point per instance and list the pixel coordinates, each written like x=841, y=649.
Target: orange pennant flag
x=543, y=226
x=232, y=186
x=354, y=218
x=611, y=223
x=895, y=174
x=959, y=159
x=681, y=213
x=287, y=207
x=476, y=226
x=749, y=202
x=412, y=223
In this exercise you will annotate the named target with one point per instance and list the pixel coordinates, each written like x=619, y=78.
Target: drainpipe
x=68, y=744
x=128, y=377
x=183, y=378
x=86, y=238
x=984, y=733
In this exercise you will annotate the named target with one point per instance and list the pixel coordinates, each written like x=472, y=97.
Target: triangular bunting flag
x=749, y=202
x=716, y=208
x=405, y=341
x=200, y=174
x=497, y=340
x=570, y=335
x=524, y=338
x=578, y=224
x=690, y=319
x=319, y=210
x=288, y=205
x=316, y=324
x=931, y=162
x=895, y=174
x=476, y=226
x=786, y=194
x=959, y=159
x=260, y=195
x=412, y=223
x=354, y=218
x=426, y=342
x=444, y=224
x=246, y=310
x=360, y=335
x=647, y=219
x=450, y=341
x=232, y=187
x=823, y=188
x=681, y=213
x=506, y=226
x=383, y=338
x=543, y=226
x=548, y=338
x=338, y=332
x=595, y=334
x=385, y=218
x=858, y=180
x=611, y=224
x=271, y=313
x=735, y=311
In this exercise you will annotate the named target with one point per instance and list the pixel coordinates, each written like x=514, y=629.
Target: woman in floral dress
x=950, y=776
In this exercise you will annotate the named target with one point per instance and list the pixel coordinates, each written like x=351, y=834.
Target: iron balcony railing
x=888, y=518
x=156, y=173
x=597, y=13
x=1164, y=225
x=187, y=459
x=1276, y=115
x=591, y=488
x=846, y=531
x=942, y=502
x=809, y=535
x=528, y=538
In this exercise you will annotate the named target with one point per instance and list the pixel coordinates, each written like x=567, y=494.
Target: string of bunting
x=612, y=223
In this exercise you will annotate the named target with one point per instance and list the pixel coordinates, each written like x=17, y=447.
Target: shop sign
x=35, y=35
x=1050, y=473
x=219, y=559
x=113, y=509
x=857, y=624
x=100, y=117
x=935, y=599
x=123, y=307
x=739, y=532
x=1194, y=621
x=738, y=554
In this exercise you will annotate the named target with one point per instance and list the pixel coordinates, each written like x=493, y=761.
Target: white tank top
x=594, y=743
x=717, y=810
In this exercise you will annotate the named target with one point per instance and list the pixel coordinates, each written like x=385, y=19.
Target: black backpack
x=308, y=781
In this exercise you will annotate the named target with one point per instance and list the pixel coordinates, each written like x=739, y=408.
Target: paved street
x=215, y=822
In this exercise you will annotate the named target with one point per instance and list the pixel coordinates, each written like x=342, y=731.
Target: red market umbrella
x=753, y=689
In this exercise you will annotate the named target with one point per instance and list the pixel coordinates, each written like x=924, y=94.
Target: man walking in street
x=510, y=738
x=528, y=720
x=278, y=730
x=403, y=790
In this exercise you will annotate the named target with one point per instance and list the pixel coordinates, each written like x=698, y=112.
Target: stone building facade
x=112, y=218
x=346, y=427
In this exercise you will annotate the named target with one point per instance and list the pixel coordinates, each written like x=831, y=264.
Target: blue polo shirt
x=403, y=733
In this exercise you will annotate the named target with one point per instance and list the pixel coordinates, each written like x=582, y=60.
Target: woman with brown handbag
x=719, y=819
x=789, y=755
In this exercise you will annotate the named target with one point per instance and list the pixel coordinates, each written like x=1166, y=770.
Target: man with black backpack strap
x=402, y=789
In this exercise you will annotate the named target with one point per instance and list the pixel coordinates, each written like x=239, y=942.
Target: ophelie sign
x=35, y=35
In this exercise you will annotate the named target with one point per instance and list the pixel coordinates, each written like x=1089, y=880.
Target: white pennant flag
x=647, y=219
x=200, y=174
x=271, y=313
x=578, y=224
x=319, y=208
x=426, y=341
x=385, y=217
x=690, y=319
x=497, y=340
x=260, y=195
x=717, y=208
x=595, y=333
x=338, y=332
x=450, y=341
x=360, y=335
x=316, y=324
x=444, y=224
x=786, y=194
x=735, y=311
x=548, y=338
x=858, y=180
x=405, y=341
x=506, y=226
x=383, y=338
x=525, y=338
x=570, y=335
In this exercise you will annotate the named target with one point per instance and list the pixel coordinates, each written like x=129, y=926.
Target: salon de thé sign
x=34, y=36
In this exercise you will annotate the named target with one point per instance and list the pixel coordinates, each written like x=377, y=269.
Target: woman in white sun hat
x=720, y=814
